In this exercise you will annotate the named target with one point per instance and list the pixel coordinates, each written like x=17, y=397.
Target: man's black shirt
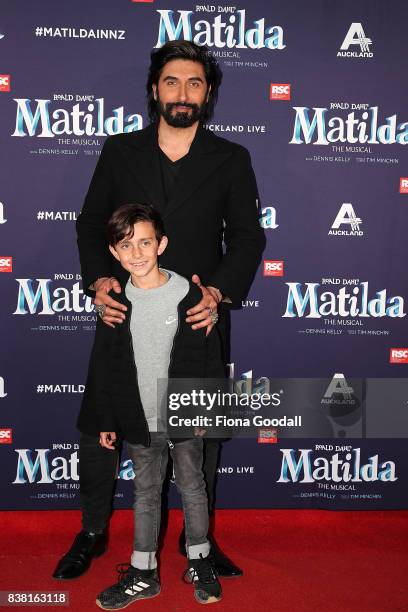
x=170, y=171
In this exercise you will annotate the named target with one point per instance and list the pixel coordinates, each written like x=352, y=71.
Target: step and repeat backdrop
x=316, y=91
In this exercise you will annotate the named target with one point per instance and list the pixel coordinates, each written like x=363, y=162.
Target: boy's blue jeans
x=150, y=464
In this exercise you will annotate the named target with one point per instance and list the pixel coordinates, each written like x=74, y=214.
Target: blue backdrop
x=316, y=91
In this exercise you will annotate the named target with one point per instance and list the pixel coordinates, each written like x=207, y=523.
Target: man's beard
x=181, y=120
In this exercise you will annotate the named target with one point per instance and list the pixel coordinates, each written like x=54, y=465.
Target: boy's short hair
x=121, y=223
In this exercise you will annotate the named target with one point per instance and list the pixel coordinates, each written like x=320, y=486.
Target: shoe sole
x=98, y=554
x=210, y=600
x=98, y=603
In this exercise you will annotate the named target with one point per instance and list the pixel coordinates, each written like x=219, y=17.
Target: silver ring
x=100, y=310
x=214, y=317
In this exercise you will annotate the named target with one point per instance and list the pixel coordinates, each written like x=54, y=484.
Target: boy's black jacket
x=111, y=399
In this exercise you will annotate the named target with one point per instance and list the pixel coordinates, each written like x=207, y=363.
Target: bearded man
x=205, y=189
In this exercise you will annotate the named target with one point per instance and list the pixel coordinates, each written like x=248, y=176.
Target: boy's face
x=138, y=254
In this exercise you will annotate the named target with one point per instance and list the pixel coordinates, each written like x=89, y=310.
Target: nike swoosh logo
x=171, y=320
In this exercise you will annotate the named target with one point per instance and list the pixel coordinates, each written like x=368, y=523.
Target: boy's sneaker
x=133, y=584
x=201, y=573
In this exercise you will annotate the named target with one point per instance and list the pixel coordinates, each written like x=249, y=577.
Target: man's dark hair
x=184, y=50
x=121, y=223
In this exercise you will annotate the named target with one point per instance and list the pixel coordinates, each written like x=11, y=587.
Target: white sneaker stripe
x=143, y=584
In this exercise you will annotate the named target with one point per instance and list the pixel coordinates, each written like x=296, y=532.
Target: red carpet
x=294, y=560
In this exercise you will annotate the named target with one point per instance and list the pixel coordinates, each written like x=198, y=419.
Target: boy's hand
x=106, y=439
x=199, y=432
x=114, y=310
x=200, y=315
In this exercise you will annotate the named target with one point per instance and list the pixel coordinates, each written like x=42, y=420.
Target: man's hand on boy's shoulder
x=204, y=314
x=114, y=311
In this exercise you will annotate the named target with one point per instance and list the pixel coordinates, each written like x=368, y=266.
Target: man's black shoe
x=222, y=564
x=86, y=546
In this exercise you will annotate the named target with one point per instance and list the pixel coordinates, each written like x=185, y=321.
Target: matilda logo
x=307, y=468
x=279, y=91
x=355, y=37
x=231, y=33
x=319, y=128
x=273, y=268
x=6, y=264
x=53, y=301
x=346, y=216
x=403, y=185
x=399, y=355
x=4, y=82
x=347, y=302
x=2, y=391
x=39, y=466
x=45, y=122
x=2, y=218
x=6, y=436
x=267, y=219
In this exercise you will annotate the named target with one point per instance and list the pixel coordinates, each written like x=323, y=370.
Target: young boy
x=155, y=342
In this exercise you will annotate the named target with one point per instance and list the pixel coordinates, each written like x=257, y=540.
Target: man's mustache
x=171, y=105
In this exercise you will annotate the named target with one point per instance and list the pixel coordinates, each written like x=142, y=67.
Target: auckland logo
x=231, y=32
x=338, y=392
x=346, y=217
x=355, y=37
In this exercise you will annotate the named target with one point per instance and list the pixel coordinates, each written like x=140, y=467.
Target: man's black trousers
x=97, y=472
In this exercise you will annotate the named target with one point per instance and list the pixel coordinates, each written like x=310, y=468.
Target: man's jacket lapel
x=141, y=155
x=203, y=159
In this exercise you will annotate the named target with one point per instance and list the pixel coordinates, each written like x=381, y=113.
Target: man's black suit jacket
x=215, y=200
